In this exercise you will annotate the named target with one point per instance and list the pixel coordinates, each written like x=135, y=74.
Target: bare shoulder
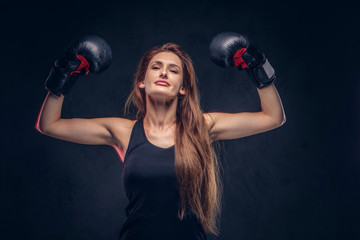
x=210, y=123
x=209, y=120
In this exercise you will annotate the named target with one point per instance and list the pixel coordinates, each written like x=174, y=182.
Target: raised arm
x=84, y=131
x=237, y=125
x=89, y=54
x=232, y=49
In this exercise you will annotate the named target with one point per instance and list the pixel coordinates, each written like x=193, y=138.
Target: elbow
x=39, y=128
x=282, y=123
x=282, y=120
x=43, y=126
x=278, y=122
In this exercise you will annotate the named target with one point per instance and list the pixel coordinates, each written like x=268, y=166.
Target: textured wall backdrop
x=300, y=181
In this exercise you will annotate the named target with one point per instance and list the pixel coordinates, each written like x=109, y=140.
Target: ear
x=182, y=91
x=141, y=84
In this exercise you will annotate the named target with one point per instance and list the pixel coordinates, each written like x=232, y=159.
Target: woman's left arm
x=237, y=125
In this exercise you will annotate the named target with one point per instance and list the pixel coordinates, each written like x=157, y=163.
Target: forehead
x=167, y=58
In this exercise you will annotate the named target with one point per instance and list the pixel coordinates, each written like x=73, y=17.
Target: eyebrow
x=171, y=64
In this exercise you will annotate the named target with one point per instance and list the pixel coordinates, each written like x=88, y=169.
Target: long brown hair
x=196, y=164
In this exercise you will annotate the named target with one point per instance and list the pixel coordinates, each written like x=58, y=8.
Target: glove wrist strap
x=262, y=75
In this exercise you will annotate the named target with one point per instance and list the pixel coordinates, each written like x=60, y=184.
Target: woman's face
x=164, y=76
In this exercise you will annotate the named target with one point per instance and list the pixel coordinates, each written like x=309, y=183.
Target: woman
x=171, y=173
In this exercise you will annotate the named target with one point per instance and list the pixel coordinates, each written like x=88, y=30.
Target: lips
x=162, y=82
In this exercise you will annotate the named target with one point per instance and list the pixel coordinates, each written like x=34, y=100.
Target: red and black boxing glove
x=230, y=49
x=88, y=54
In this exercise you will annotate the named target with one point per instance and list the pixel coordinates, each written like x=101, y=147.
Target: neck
x=160, y=113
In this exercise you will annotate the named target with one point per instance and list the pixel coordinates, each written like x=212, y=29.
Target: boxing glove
x=88, y=54
x=230, y=49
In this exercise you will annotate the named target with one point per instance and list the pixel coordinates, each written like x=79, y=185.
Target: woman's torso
x=151, y=186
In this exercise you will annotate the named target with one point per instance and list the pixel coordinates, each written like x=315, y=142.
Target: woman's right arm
x=96, y=131
x=89, y=54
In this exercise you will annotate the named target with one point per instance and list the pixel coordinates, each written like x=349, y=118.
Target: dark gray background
x=300, y=181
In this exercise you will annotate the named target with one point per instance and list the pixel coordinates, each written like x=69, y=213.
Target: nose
x=163, y=74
